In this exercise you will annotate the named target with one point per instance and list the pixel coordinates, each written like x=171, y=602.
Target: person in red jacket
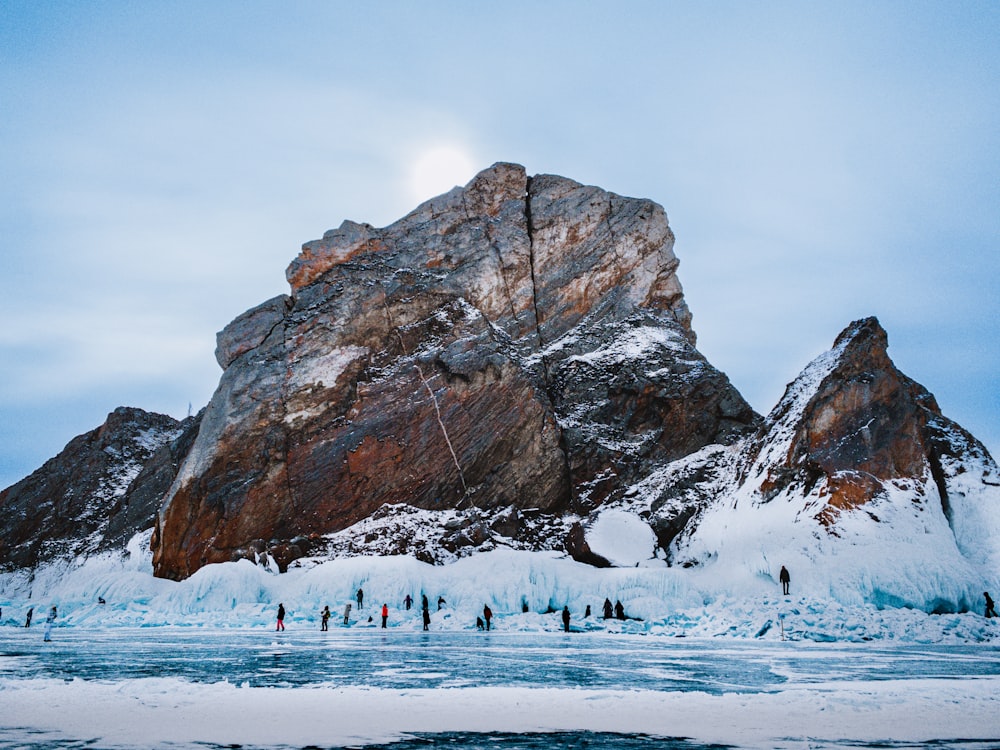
x=385, y=614
x=487, y=615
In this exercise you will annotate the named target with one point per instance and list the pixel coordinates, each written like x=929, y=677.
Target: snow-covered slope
x=850, y=521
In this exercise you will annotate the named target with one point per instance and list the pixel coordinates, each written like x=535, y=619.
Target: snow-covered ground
x=184, y=687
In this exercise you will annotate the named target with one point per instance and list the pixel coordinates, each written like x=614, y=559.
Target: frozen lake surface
x=196, y=687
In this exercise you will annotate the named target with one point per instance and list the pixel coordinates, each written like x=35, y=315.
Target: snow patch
x=622, y=538
x=324, y=369
x=633, y=344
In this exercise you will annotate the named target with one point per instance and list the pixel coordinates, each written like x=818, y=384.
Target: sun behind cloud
x=439, y=169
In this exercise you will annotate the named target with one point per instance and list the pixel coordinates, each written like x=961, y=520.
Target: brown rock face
x=455, y=359
x=867, y=424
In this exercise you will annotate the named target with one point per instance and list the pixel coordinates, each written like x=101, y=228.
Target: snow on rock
x=622, y=538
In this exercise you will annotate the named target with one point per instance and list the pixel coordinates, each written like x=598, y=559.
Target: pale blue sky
x=162, y=162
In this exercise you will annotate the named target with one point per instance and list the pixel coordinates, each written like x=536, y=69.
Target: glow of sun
x=439, y=169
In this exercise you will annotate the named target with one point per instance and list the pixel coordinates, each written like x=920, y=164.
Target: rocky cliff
x=518, y=350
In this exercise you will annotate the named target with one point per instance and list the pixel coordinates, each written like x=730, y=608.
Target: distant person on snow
x=325, y=618
x=608, y=613
x=619, y=610
x=565, y=618
x=587, y=613
x=50, y=621
x=479, y=623
x=27, y=622
x=281, y=617
x=408, y=601
x=100, y=600
x=524, y=606
x=990, y=611
x=441, y=602
x=487, y=615
x=785, y=580
x=427, y=618
x=385, y=614
x=361, y=599
x=347, y=612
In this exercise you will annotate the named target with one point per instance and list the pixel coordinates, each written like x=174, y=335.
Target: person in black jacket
x=281, y=617
x=619, y=610
x=565, y=618
x=990, y=611
x=607, y=609
x=785, y=580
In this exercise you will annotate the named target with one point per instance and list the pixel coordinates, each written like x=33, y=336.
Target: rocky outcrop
x=455, y=359
x=103, y=487
x=852, y=438
x=862, y=425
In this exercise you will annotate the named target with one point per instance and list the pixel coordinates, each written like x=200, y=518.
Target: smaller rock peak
x=866, y=332
x=127, y=417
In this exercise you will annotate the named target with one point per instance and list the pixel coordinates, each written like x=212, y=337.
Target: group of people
x=617, y=611
x=50, y=620
x=484, y=622
x=359, y=597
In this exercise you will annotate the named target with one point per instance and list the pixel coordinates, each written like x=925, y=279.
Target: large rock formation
x=103, y=487
x=518, y=345
x=513, y=364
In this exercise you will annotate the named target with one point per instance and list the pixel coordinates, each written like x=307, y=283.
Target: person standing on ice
x=347, y=612
x=50, y=621
x=785, y=580
x=385, y=614
x=361, y=598
x=27, y=622
x=281, y=617
x=427, y=618
x=990, y=611
x=565, y=618
x=619, y=609
x=487, y=615
x=423, y=602
x=607, y=609
x=325, y=618
x=408, y=601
